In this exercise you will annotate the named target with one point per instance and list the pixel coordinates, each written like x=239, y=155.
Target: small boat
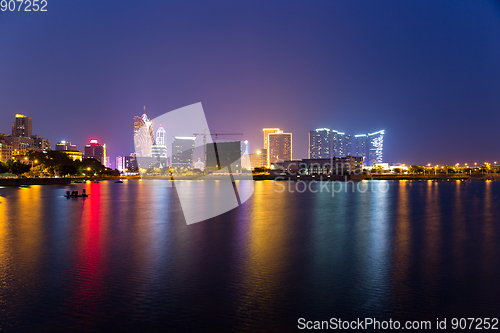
x=77, y=181
x=96, y=182
x=119, y=181
x=74, y=194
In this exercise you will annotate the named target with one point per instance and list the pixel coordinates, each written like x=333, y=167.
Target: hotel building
x=320, y=143
x=96, y=151
x=326, y=143
x=371, y=147
x=144, y=137
x=265, y=151
x=280, y=147
x=341, y=144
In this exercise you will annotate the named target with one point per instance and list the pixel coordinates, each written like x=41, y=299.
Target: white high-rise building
x=371, y=147
x=160, y=136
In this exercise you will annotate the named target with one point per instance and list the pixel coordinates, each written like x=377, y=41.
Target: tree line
x=54, y=163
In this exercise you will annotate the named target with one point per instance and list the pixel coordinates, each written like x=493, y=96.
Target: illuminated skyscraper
x=361, y=145
x=376, y=147
x=159, y=150
x=370, y=146
x=280, y=147
x=96, y=151
x=341, y=144
x=22, y=126
x=326, y=143
x=144, y=137
x=268, y=131
x=320, y=143
x=160, y=136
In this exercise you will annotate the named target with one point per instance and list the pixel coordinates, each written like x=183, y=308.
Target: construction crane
x=204, y=134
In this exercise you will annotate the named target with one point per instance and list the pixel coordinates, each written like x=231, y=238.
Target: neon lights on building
x=160, y=136
x=144, y=137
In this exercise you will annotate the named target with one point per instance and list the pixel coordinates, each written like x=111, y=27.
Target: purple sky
x=427, y=72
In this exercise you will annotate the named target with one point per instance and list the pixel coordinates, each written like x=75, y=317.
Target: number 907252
x=23, y=5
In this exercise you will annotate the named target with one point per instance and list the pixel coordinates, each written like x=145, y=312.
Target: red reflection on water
x=89, y=264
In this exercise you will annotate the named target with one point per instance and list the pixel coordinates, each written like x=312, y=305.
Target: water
x=124, y=258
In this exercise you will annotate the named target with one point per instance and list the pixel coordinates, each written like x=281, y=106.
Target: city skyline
x=370, y=146
x=249, y=166
x=426, y=68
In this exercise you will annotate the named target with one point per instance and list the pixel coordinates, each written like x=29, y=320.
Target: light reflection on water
x=125, y=259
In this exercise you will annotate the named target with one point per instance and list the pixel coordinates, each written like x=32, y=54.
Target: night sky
x=428, y=72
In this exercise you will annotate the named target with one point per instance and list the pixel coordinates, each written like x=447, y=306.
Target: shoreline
x=69, y=181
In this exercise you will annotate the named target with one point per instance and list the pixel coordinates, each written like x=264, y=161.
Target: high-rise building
x=341, y=144
x=127, y=163
x=265, y=151
x=320, y=143
x=360, y=141
x=326, y=143
x=159, y=154
x=5, y=151
x=96, y=151
x=228, y=154
x=182, y=152
x=160, y=136
x=144, y=137
x=280, y=147
x=22, y=126
x=131, y=164
x=370, y=146
x=159, y=149
x=376, y=147
x=66, y=145
x=22, y=139
x=120, y=166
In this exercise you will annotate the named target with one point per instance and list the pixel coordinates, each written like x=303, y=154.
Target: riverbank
x=495, y=177
x=278, y=177
x=34, y=181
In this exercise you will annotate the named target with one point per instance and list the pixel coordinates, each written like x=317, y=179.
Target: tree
x=415, y=169
x=448, y=168
x=18, y=168
x=37, y=171
x=66, y=169
x=4, y=168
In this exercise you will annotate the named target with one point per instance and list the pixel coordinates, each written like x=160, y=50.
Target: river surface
x=124, y=258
